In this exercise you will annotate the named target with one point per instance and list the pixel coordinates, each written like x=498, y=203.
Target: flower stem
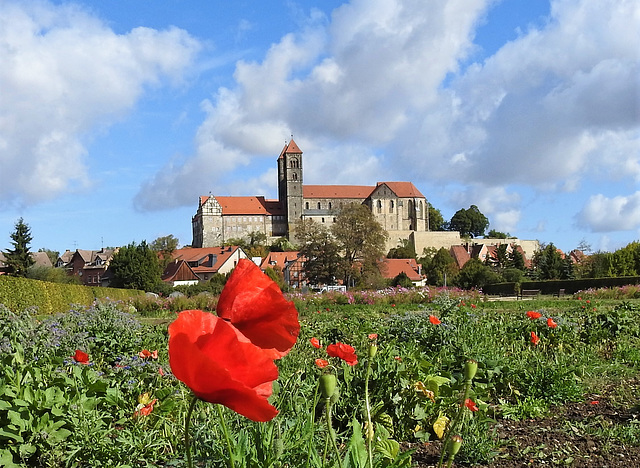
x=225, y=431
x=369, y=430
x=454, y=423
x=330, y=433
x=187, y=423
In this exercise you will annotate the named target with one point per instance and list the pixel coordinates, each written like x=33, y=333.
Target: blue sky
x=115, y=115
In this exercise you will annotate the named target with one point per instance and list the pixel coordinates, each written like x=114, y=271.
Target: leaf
x=440, y=425
x=357, y=452
x=388, y=448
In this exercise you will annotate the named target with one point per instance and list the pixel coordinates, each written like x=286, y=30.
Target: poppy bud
x=453, y=447
x=327, y=385
x=470, y=369
x=373, y=350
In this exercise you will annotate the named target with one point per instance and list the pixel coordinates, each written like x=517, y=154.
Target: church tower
x=290, y=183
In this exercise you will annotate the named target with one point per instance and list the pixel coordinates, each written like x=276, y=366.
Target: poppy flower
x=254, y=304
x=228, y=358
x=145, y=353
x=434, y=320
x=343, y=351
x=322, y=363
x=81, y=357
x=373, y=336
x=551, y=323
x=315, y=342
x=533, y=315
x=470, y=404
x=534, y=338
x=145, y=409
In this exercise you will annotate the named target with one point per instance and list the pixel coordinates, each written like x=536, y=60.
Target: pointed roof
x=279, y=259
x=402, y=189
x=290, y=147
x=392, y=267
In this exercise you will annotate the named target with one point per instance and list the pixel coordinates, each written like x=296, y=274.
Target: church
x=399, y=207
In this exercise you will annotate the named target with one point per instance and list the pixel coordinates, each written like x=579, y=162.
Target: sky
x=116, y=115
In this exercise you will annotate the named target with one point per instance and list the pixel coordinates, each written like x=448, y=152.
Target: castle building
x=399, y=207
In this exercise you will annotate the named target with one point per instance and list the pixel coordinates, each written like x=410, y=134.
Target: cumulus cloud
x=64, y=75
x=604, y=214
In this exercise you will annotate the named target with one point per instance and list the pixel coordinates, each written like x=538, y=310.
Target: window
x=306, y=205
x=323, y=220
x=329, y=205
x=379, y=206
x=391, y=206
x=318, y=205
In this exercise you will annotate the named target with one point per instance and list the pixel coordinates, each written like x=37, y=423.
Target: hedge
x=51, y=298
x=552, y=287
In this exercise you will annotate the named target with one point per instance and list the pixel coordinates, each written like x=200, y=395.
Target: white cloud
x=603, y=214
x=65, y=74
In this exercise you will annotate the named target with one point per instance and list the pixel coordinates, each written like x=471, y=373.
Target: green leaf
x=388, y=448
x=356, y=452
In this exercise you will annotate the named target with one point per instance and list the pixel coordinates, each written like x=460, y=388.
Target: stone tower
x=290, y=183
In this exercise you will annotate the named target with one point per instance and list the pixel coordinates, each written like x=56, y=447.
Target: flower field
x=557, y=383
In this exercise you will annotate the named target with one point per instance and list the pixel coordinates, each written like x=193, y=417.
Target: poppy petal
x=254, y=304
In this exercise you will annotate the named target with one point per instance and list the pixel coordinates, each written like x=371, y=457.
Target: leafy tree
x=549, y=264
x=281, y=244
x=474, y=274
x=405, y=249
x=135, y=267
x=402, y=280
x=323, y=262
x=436, y=221
x=19, y=258
x=493, y=234
x=440, y=268
x=164, y=247
x=361, y=239
x=502, y=255
x=469, y=223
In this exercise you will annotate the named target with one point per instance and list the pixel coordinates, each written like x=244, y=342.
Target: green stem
x=187, y=423
x=226, y=435
x=368, y=408
x=330, y=432
x=467, y=389
x=312, y=418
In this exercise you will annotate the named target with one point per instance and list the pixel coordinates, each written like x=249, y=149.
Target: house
x=192, y=265
x=40, y=259
x=398, y=206
x=90, y=266
x=392, y=267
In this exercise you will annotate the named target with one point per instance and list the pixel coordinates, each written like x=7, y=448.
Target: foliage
x=405, y=249
x=436, y=221
x=53, y=275
x=469, y=223
x=135, y=267
x=361, y=239
x=52, y=254
x=323, y=262
x=549, y=264
x=19, y=259
x=441, y=268
x=164, y=247
x=493, y=234
x=474, y=274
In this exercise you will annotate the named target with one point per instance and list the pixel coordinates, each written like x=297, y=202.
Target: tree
x=323, y=263
x=469, y=223
x=516, y=259
x=436, y=221
x=164, y=247
x=19, y=258
x=361, y=239
x=441, y=268
x=405, y=249
x=493, y=234
x=549, y=263
x=135, y=267
x=474, y=274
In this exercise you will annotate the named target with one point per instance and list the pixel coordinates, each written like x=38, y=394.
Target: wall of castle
x=434, y=239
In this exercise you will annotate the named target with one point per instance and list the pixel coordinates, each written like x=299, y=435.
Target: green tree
x=135, y=267
x=474, y=274
x=281, y=244
x=436, y=221
x=549, y=264
x=469, y=223
x=402, y=280
x=164, y=247
x=493, y=234
x=361, y=239
x=441, y=268
x=405, y=249
x=19, y=258
x=323, y=262
x=516, y=259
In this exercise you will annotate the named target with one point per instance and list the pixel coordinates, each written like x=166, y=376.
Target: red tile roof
x=278, y=259
x=392, y=267
x=460, y=254
x=290, y=147
x=205, y=259
x=403, y=189
x=337, y=191
x=249, y=206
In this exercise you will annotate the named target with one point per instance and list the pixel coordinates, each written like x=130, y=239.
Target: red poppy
x=373, y=336
x=473, y=306
x=533, y=315
x=551, y=323
x=315, y=342
x=81, y=357
x=228, y=359
x=145, y=410
x=534, y=338
x=322, y=363
x=343, y=351
x=595, y=402
x=434, y=320
x=145, y=353
x=470, y=404
x=254, y=304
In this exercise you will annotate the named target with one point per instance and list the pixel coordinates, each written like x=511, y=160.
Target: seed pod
x=327, y=385
x=470, y=369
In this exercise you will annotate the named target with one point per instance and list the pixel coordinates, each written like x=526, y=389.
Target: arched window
x=329, y=205
x=391, y=206
x=294, y=176
x=318, y=205
x=306, y=205
x=379, y=206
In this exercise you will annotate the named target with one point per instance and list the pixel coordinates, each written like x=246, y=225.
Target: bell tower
x=290, y=183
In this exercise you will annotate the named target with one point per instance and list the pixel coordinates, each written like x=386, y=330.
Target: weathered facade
x=398, y=206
